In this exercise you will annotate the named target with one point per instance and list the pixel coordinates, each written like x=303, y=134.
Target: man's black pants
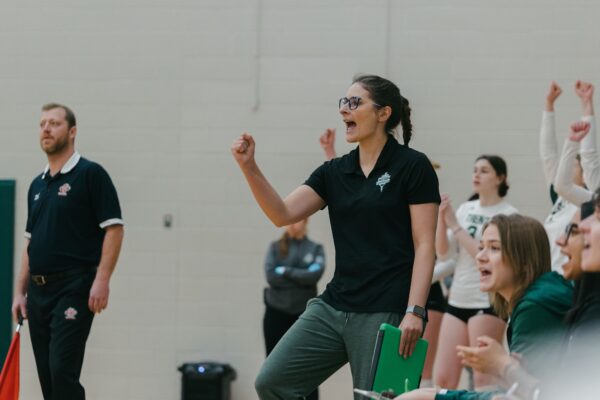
x=59, y=325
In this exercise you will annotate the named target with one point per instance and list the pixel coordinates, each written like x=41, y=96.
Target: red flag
x=9, y=378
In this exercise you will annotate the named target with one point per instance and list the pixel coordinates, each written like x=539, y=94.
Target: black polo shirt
x=67, y=214
x=371, y=226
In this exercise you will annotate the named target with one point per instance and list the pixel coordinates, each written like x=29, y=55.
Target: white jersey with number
x=471, y=216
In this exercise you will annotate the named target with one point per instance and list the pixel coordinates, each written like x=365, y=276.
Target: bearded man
x=73, y=238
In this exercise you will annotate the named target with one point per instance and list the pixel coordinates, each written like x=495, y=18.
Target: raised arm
x=590, y=162
x=563, y=183
x=548, y=146
x=459, y=234
x=446, y=246
x=327, y=141
x=441, y=238
x=299, y=204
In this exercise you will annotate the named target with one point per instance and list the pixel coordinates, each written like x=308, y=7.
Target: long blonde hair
x=525, y=248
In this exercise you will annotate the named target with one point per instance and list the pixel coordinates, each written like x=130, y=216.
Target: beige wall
x=161, y=88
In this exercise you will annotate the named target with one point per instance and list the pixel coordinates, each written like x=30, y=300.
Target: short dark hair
x=69, y=115
x=500, y=168
x=387, y=94
x=588, y=207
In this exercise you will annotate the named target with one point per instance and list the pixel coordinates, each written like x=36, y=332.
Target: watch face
x=417, y=310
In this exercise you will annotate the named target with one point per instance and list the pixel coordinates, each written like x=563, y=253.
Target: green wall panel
x=7, y=241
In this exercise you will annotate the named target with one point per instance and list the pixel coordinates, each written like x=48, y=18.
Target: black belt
x=42, y=280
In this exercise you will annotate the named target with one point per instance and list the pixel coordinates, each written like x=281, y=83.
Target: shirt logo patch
x=36, y=197
x=383, y=180
x=62, y=191
x=70, y=313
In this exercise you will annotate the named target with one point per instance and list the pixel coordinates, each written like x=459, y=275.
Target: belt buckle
x=39, y=280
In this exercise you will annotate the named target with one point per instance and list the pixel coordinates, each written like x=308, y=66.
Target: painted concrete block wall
x=161, y=88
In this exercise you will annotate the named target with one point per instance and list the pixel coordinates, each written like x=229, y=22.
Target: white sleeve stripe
x=28, y=235
x=112, y=221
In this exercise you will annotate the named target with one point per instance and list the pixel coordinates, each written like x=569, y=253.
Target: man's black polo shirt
x=371, y=226
x=67, y=214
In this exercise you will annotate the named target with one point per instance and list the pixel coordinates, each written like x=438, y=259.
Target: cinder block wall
x=162, y=87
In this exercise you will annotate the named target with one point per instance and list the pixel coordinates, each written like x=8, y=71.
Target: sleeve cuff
x=587, y=118
x=112, y=221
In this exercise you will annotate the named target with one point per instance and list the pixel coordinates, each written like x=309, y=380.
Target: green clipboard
x=389, y=370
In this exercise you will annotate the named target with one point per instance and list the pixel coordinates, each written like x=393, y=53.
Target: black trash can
x=206, y=381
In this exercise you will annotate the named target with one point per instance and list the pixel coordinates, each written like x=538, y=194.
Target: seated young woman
x=584, y=319
x=579, y=368
x=514, y=266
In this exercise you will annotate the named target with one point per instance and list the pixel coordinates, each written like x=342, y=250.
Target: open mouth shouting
x=350, y=125
x=484, y=273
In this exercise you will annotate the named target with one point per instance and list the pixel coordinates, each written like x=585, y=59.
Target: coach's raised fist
x=243, y=148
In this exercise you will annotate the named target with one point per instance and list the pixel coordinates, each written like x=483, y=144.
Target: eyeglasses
x=353, y=102
x=571, y=229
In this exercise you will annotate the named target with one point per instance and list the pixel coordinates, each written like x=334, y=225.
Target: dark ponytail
x=405, y=121
x=386, y=94
x=499, y=166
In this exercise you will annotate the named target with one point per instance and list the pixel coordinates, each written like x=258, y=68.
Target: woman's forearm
x=466, y=241
x=422, y=274
x=441, y=239
x=267, y=198
x=424, y=224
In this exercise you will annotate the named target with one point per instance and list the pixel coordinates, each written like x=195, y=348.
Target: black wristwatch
x=418, y=311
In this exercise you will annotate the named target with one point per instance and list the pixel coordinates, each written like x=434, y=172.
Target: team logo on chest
x=62, y=191
x=383, y=180
x=70, y=313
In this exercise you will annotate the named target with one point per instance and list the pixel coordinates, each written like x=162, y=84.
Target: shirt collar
x=352, y=164
x=69, y=165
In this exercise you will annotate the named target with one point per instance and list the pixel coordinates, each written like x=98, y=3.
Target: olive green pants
x=318, y=344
